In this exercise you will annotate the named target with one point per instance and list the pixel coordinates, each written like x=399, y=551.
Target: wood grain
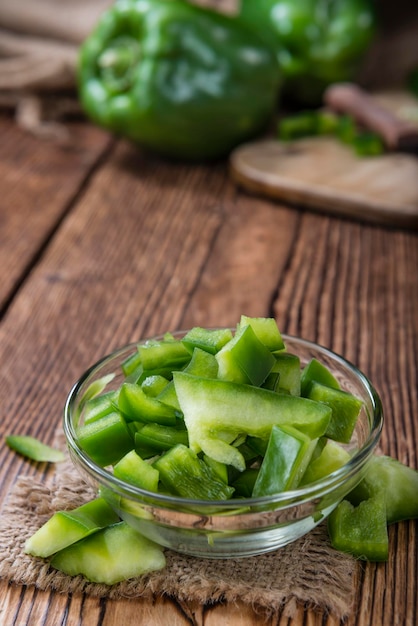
x=322, y=174
x=147, y=246
x=40, y=180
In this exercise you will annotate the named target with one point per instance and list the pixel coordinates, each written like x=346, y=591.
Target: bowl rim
x=282, y=500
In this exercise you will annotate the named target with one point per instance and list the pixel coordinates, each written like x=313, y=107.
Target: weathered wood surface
x=121, y=246
x=323, y=174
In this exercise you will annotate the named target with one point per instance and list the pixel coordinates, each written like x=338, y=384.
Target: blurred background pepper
x=181, y=80
x=317, y=42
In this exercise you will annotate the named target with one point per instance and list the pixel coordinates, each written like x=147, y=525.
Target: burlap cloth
x=307, y=572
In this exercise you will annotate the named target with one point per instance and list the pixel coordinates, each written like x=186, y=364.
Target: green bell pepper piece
x=217, y=411
x=395, y=483
x=266, y=330
x=345, y=410
x=202, y=363
x=245, y=481
x=33, y=449
x=287, y=366
x=98, y=407
x=160, y=437
x=179, y=79
x=164, y=354
x=106, y=440
x=116, y=553
x=153, y=385
x=183, y=473
x=66, y=527
x=317, y=42
x=287, y=456
x=331, y=457
x=132, y=469
x=360, y=531
x=316, y=371
x=244, y=359
x=207, y=339
x=135, y=405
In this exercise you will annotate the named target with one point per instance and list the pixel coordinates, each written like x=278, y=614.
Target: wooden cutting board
x=323, y=174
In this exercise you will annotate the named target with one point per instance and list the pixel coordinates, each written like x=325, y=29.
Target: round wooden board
x=324, y=175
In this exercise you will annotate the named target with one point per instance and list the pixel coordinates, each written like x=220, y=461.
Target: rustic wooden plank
x=39, y=180
x=151, y=246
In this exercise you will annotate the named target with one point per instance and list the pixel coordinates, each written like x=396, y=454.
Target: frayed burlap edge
x=308, y=572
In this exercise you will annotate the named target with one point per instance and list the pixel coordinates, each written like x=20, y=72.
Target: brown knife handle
x=347, y=98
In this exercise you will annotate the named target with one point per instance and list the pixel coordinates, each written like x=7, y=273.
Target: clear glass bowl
x=233, y=528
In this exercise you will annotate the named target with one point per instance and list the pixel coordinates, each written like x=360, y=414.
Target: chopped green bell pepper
x=135, y=405
x=106, y=439
x=132, y=469
x=266, y=330
x=244, y=359
x=217, y=411
x=287, y=456
x=345, y=410
x=316, y=371
x=183, y=473
x=361, y=530
x=331, y=457
x=207, y=339
x=33, y=449
x=179, y=79
x=317, y=42
x=395, y=483
x=160, y=437
x=116, y=553
x=66, y=527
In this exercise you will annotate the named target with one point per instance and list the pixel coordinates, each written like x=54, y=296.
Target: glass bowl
x=231, y=528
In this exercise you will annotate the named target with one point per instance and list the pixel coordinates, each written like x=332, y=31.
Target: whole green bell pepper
x=317, y=42
x=178, y=79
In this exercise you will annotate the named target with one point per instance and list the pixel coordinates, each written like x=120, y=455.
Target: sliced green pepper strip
x=160, y=437
x=332, y=456
x=345, y=410
x=244, y=483
x=183, y=473
x=98, y=407
x=316, y=371
x=245, y=359
x=132, y=469
x=214, y=407
x=106, y=440
x=288, y=367
x=287, y=456
x=135, y=405
x=154, y=385
x=167, y=354
x=66, y=527
x=266, y=331
x=113, y=554
x=209, y=340
x=395, y=483
x=33, y=449
x=360, y=531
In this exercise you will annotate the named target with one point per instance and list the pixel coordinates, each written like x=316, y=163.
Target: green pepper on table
x=181, y=80
x=318, y=42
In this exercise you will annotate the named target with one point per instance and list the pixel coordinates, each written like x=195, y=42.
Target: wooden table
x=101, y=245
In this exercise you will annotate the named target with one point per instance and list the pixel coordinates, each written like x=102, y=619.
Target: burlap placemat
x=307, y=572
